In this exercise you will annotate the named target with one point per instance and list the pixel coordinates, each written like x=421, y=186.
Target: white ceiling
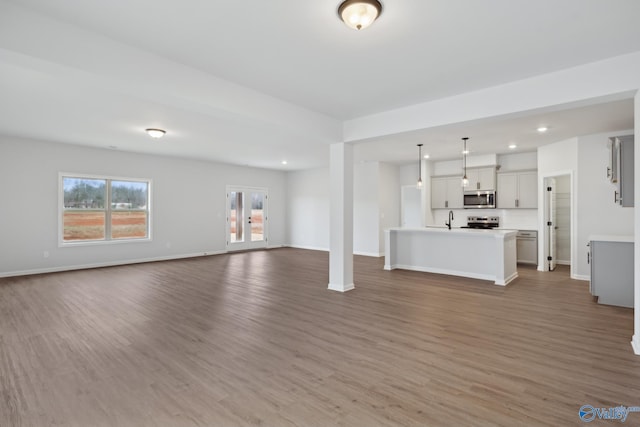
x=300, y=53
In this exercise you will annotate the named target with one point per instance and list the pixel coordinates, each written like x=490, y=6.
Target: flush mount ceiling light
x=512, y=146
x=155, y=133
x=359, y=14
x=542, y=129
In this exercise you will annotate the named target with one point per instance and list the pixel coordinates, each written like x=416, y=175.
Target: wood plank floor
x=255, y=338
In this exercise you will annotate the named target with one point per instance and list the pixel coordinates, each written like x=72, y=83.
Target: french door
x=246, y=218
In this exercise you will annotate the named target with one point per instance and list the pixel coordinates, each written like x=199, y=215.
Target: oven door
x=479, y=199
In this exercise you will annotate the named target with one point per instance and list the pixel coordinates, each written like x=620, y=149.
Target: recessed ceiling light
x=426, y=156
x=542, y=129
x=513, y=146
x=465, y=151
x=155, y=133
x=284, y=162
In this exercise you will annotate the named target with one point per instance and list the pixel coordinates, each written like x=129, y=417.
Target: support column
x=635, y=342
x=341, y=218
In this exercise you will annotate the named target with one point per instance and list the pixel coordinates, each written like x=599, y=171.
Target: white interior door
x=246, y=218
x=411, y=206
x=551, y=222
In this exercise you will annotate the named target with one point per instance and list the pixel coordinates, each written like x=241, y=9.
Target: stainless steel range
x=484, y=222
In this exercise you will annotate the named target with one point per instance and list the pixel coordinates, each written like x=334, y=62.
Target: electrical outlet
x=46, y=254
x=168, y=245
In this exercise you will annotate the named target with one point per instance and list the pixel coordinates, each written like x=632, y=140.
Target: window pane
x=129, y=219
x=80, y=193
x=128, y=224
x=129, y=195
x=83, y=224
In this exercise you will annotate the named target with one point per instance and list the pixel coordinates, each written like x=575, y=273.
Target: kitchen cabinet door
x=481, y=179
x=454, y=192
x=487, y=179
x=439, y=193
x=507, y=192
x=528, y=190
x=517, y=190
x=446, y=192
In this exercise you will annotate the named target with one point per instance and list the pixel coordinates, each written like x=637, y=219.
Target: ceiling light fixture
x=512, y=146
x=284, y=162
x=465, y=180
x=419, y=184
x=155, y=133
x=359, y=14
x=426, y=156
x=542, y=129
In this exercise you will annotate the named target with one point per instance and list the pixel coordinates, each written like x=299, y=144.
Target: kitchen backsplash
x=517, y=219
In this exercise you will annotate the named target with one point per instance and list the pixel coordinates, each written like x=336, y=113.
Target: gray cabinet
x=620, y=170
x=446, y=192
x=612, y=271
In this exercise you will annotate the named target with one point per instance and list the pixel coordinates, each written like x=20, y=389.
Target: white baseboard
x=563, y=262
x=371, y=254
x=309, y=248
x=106, y=264
x=341, y=288
x=315, y=248
x=635, y=344
x=580, y=277
x=445, y=271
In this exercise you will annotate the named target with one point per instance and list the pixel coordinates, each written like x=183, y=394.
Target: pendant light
x=419, y=185
x=465, y=180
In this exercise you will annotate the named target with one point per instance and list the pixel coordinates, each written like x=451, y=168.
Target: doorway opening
x=247, y=218
x=557, y=223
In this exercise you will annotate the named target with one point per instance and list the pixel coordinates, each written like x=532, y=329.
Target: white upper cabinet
x=517, y=190
x=481, y=179
x=446, y=192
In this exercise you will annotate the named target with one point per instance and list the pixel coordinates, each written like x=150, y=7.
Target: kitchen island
x=479, y=254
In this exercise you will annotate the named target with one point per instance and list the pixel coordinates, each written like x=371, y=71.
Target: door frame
x=543, y=249
x=246, y=245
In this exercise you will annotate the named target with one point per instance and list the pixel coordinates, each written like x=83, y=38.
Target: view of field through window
x=237, y=232
x=93, y=206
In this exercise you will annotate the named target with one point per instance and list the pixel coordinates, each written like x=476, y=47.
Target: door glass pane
x=257, y=217
x=236, y=215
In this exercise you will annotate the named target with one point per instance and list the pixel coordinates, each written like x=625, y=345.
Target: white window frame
x=108, y=209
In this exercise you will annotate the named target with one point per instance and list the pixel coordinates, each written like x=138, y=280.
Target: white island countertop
x=467, y=252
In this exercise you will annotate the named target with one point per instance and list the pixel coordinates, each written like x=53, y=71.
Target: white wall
x=598, y=214
x=188, y=205
x=308, y=209
x=376, y=206
x=366, y=209
x=389, y=193
x=560, y=158
x=518, y=161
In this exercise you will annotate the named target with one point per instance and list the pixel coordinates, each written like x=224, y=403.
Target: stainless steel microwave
x=481, y=199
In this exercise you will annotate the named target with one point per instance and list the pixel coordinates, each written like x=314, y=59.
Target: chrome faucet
x=448, y=224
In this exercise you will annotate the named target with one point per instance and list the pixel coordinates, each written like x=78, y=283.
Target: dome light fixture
x=359, y=14
x=155, y=133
